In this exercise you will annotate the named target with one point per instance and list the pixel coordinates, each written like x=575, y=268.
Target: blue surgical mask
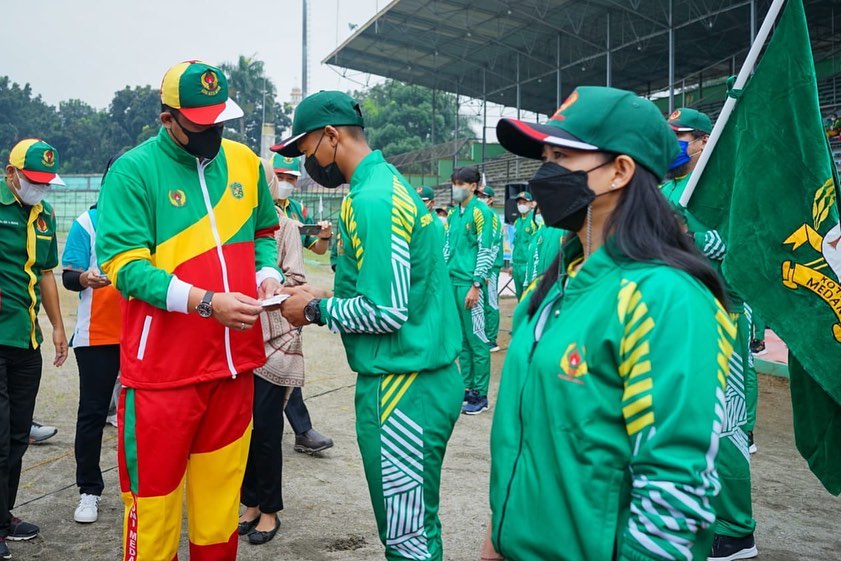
x=683, y=157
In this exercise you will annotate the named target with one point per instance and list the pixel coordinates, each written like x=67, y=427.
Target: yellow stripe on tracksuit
x=31, y=254
x=393, y=387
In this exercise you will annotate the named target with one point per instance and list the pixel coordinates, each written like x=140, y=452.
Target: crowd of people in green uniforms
x=626, y=403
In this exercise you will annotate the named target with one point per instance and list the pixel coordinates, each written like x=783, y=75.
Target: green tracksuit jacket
x=469, y=249
x=545, y=246
x=608, y=417
x=393, y=302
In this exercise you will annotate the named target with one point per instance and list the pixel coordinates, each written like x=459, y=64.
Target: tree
x=133, y=116
x=23, y=116
x=400, y=117
x=249, y=86
x=80, y=141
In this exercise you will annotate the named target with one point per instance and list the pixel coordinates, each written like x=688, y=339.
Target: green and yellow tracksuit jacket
x=610, y=408
x=168, y=221
x=524, y=228
x=393, y=302
x=28, y=248
x=297, y=211
x=469, y=246
x=499, y=232
x=545, y=246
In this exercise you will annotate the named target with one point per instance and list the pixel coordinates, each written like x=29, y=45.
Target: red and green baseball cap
x=36, y=160
x=686, y=119
x=598, y=118
x=317, y=111
x=524, y=195
x=200, y=92
x=284, y=164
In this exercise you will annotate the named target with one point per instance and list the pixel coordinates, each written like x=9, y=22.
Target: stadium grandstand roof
x=509, y=51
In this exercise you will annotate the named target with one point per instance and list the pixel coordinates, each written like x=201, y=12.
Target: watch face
x=204, y=310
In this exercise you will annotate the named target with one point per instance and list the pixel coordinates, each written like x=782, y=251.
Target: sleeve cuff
x=268, y=273
x=178, y=295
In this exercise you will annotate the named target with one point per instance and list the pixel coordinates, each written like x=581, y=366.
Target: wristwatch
x=204, y=308
x=477, y=284
x=312, y=312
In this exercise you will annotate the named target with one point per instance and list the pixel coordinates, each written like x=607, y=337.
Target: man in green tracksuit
x=545, y=246
x=468, y=252
x=735, y=523
x=486, y=195
x=395, y=311
x=524, y=228
x=427, y=195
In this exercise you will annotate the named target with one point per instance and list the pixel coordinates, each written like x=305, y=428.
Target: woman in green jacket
x=612, y=396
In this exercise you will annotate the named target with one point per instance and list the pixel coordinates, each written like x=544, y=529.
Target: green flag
x=770, y=190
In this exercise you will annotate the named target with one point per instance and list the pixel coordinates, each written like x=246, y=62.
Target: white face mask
x=31, y=193
x=284, y=190
x=523, y=209
x=483, y=200
x=443, y=219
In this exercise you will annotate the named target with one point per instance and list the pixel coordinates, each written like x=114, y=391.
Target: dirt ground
x=328, y=515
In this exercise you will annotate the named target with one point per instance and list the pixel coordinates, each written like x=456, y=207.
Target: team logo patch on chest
x=177, y=197
x=41, y=225
x=237, y=191
x=573, y=364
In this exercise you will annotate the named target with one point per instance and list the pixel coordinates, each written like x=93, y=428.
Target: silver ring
x=241, y=326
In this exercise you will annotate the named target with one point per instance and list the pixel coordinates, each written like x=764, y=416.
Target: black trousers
x=98, y=370
x=261, y=486
x=20, y=377
x=296, y=412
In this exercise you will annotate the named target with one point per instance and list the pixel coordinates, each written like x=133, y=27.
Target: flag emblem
x=809, y=275
x=177, y=198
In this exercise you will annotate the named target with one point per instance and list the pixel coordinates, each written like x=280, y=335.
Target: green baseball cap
x=685, y=119
x=426, y=193
x=200, y=92
x=283, y=164
x=36, y=160
x=524, y=195
x=317, y=111
x=488, y=191
x=598, y=118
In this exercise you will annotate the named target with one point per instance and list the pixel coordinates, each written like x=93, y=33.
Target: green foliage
x=86, y=137
x=400, y=118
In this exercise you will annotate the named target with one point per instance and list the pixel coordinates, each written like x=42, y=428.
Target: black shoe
x=728, y=548
x=244, y=528
x=4, y=549
x=757, y=347
x=21, y=531
x=311, y=442
x=751, y=444
x=259, y=538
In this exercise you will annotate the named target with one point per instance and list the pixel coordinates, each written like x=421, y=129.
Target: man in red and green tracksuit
x=186, y=235
x=524, y=229
x=469, y=254
x=735, y=523
x=395, y=311
x=491, y=300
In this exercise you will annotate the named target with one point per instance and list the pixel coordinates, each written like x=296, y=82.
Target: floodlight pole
x=730, y=103
x=671, y=56
x=558, y=82
x=609, y=71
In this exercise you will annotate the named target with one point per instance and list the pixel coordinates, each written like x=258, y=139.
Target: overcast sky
x=88, y=49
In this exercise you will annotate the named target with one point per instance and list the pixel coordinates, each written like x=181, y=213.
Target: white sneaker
x=88, y=509
x=111, y=420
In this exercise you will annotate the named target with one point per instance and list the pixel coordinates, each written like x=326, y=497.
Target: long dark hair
x=644, y=228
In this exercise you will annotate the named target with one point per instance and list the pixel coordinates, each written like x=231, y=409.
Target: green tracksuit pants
x=733, y=506
x=518, y=273
x=475, y=357
x=403, y=423
x=492, y=306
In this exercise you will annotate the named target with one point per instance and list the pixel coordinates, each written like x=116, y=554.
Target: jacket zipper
x=213, y=228
x=538, y=333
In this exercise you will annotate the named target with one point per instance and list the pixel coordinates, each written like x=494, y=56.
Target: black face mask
x=562, y=195
x=204, y=144
x=329, y=176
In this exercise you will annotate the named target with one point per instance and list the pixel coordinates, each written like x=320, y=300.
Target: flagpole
x=730, y=102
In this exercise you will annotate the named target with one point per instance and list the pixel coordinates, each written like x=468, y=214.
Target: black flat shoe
x=257, y=537
x=244, y=528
